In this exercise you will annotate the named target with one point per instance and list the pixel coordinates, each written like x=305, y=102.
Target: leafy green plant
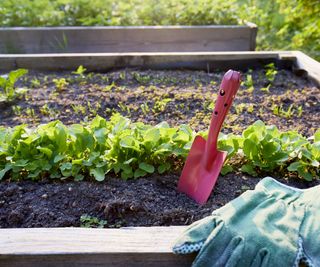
x=145, y=108
x=16, y=110
x=142, y=79
x=267, y=149
x=271, y=72
x=93, y=109
x=230, y=143
x=35, y=83
x=108, y=88
x=248, y=82
x=30, y=112
x=282, y=112
x=262, y=148
x=88, y=221
x=79, y=109
x=125, y=148
x=239, y=108
x=133, y=150
x=306, y=159
x=124, y=108
x=8, y=91
x=266, y=89
x=244, y=106
x=160, y=105
x=60, y=84
x=45, y=110
x=80, y=71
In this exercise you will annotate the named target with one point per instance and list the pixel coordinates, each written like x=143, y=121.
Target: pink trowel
x=205, y=161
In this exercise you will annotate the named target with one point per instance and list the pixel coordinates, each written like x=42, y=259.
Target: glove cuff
x=287, y=193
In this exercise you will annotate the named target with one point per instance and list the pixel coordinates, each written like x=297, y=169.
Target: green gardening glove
x=259, y=228
x=309, y=244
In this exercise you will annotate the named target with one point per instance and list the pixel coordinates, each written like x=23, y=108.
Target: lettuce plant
x=8, y=91
x=119, y=146
x=133, y=150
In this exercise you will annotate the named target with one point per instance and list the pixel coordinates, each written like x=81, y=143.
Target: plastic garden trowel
x=205, y=161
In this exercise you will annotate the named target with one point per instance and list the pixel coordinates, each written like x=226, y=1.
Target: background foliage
x=283, y=24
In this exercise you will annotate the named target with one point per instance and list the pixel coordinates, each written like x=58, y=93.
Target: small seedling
x=250, y=107
x=16, y=110
x=79, y=109
x=93, y=109
x=266, y=89
x=80, y=71
x=300, y=110
x=109, y=87
x=248, y=82
x=35, y=83
x=60, y=84
x=88, y=221
x=239, y=108
x=45, y=110
x=271, y=72
x=160, y=105
x=8, y=91
x=282, y=112
x=208, y=105
x=145, y=108
x=142, y=79
x=122, y=75
x=124, y=108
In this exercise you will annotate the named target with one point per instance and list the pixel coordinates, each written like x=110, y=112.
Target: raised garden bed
x=127, y=39
x=152, y=200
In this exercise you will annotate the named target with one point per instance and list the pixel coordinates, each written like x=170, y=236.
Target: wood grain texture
x=21, y=40
x=147, y=246
x=106, y=61
x=307, y=64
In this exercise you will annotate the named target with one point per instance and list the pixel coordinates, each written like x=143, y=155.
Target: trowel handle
x=228, y=89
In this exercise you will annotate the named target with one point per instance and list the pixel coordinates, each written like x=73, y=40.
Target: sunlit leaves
x=130, y=150
x=8, y=91
x=133, y=150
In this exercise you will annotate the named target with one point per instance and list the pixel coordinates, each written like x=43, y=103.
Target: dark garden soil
x=147, y=201
x=177, y=97
x=149, y=96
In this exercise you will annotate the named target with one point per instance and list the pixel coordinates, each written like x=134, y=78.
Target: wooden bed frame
x=137, y=246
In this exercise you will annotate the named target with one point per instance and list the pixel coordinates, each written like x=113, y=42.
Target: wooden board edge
x=62, y=247
x=64, y=28
x=305, y=63
x=25, y=40
x=106, y=61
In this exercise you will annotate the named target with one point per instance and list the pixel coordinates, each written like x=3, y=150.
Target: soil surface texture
x=150, y=201
x=277, y=97
x=180, y=96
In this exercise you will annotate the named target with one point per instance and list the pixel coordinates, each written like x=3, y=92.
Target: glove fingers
x=233, y=253
x=220, y=250
x=261, y=259
x=195, y=235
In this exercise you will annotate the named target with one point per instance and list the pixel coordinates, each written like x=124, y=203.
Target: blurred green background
x=283, y=24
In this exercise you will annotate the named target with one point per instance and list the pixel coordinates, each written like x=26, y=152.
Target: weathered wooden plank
x=65, y=247
x=22, y=40
x=105, y=61
x=307, y=64
x=118, y=247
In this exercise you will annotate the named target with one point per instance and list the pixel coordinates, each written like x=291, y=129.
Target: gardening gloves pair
x=272, y=225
